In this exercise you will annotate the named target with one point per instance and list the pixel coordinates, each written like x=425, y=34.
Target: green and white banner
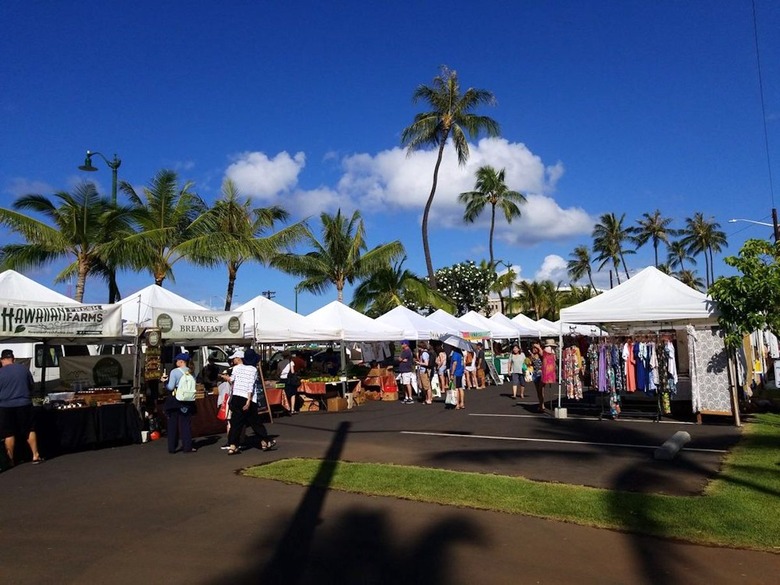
x=18, y=319
x=193, y=325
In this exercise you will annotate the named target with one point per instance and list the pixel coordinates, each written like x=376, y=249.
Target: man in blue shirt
x=16, y=414
x=457, y=369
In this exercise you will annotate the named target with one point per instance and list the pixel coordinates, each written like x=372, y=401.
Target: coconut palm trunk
x=426, y=213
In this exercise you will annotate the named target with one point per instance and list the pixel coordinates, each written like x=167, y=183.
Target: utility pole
x=269, y=294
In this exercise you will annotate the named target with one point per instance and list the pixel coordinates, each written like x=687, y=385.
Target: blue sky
x=604, y=106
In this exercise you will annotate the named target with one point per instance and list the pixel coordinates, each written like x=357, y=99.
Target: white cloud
x=258, y=176
x=390, y=181
x=19, y=186
x=553, y=268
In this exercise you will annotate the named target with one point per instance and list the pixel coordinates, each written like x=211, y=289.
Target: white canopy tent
x=270, y=322
x=459, y=326
x=529, y=323
x=522, y=330
x=138, y=308
x=497, y=330
x=32, y=312
x=414, y=325
x=649, y=296
x=654, y=300
x=350, y=325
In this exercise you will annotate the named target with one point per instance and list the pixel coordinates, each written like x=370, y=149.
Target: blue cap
x=405, y=342
x=182, y=356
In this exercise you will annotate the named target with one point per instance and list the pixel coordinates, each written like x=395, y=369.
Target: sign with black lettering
x=50, y=321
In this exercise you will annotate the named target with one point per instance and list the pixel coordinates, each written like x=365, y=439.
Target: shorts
x=406, y=377
x=459, y=381
x=471, y=368
x=16, y=421
x=518, y=379
x=443, y=371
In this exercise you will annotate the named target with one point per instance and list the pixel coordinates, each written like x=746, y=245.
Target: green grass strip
x=738, y=509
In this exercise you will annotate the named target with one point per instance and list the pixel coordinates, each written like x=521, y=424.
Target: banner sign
x=71, y=321
x=82, y=372
x=183, y=324
x=475, y=335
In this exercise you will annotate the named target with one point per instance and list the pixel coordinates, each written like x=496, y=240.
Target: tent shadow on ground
x=360, y=543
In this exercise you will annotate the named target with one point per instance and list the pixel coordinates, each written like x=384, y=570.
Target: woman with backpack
x=179, y=412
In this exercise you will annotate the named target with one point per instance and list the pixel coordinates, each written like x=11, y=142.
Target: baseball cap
x=185, y=357
x=239, y=353
x=7, y=353
x=405, y=342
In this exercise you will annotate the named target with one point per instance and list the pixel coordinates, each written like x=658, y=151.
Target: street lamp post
x=112, y=164
x=113, y=288
x=773, y=225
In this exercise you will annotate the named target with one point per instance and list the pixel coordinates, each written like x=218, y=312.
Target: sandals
x=232, y=451
x=37, y=461
x=267, y=445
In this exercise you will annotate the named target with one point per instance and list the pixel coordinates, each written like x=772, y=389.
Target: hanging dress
x=630, y=365
x=549, y=375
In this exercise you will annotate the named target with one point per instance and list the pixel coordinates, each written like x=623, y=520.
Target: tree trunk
x=590, y=278
x=492, y=228
x=426, y=212
x=81, y=281
x=232, y=273
x=617, y=270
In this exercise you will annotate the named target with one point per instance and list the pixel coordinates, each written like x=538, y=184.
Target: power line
x=763, y=105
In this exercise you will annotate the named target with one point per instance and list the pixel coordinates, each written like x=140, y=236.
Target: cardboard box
x=336, y=404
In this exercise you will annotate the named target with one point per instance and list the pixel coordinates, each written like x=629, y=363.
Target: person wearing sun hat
x=243, y=378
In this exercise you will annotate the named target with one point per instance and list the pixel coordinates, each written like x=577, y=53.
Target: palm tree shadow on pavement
x=360, y=546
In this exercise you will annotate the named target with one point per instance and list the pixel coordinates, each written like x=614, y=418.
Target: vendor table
x=204, y=421
x=276, y=396
x=89, y=427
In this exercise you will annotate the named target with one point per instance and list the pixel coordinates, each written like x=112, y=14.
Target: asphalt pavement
x=137, y=514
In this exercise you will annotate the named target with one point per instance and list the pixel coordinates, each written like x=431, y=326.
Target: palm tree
x=608, y=238
x=450, y=116
x=580, y=264
x=232, y=232
x=393, y=286
x=652, y=228
x=490, y=188
x=81, y=222
x=337, y=258
x=541, y=298
x=678, y=255
x=165, y=219
x=704, y=237
x=502, y=283
x=690, y=278
x=576, y=294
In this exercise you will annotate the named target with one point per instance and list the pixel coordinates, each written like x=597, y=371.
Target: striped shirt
x=243, y=378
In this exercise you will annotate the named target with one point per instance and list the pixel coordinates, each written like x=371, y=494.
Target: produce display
x=325, y=379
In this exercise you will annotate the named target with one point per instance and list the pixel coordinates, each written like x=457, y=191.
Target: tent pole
x=560, y=360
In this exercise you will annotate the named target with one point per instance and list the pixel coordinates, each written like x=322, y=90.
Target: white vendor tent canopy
x=17, y=287
x=458, y=326
x=138, y=308
x=414, y=325
x=497, y=330
x=30, y=311
x=351, y=325
x=525, y=321
x=649, y=296
x=523, y=330
x=270, y=322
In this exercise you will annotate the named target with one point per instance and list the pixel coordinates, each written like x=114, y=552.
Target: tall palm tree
x=232, y=232
x=393, y=286
x=81, y=222
x=164, y=217
x=450, y=116
x=690, y=278
x=704, y=237
x=491, y=189
x=653, y=227
x=609, y=237
x=576, y=294
x=678, y=255
x=580, y=264
x=338, y=256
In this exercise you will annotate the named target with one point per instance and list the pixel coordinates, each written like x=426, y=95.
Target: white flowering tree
x=467, y=285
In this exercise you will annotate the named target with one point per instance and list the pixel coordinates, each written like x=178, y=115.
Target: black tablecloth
x=75, y=429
